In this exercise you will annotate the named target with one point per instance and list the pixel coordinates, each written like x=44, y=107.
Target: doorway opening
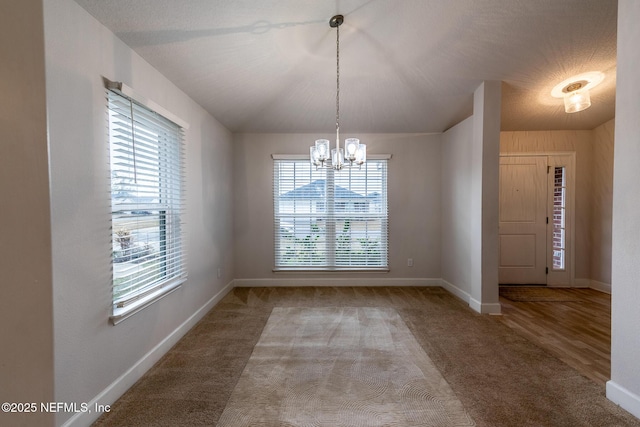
x=536, y=219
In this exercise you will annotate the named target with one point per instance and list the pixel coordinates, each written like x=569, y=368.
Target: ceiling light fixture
x=354, y=152
x=575, y=91
x=576, y=98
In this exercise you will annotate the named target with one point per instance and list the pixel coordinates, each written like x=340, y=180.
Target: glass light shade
x=577, y=101
x=314, y=156
x=337, y=158
x=361, y=154
x=351, y=147
x=322, y=147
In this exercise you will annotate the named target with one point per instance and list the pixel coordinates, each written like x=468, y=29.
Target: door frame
x=565, y=278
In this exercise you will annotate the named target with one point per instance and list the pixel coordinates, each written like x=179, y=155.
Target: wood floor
x=576, y=328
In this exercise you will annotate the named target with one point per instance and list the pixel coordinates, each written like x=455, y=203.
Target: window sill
x=120, y=314
x=330, y=270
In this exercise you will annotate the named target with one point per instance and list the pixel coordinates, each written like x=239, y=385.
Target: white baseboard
x=581, y=283
x=601, y=286
x=117, y=388
x=586, y=283
x=483, y=308
x=456, y=291
x=627, y=400
x=324, y=281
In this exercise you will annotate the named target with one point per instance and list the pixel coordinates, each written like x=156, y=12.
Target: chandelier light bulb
x=314, y=156
x=319, y=153
x=351, y=146
x=322, y=145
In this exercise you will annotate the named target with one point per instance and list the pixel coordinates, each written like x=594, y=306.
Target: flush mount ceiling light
x=575, y=90
x=576, y=98
x=354, y=152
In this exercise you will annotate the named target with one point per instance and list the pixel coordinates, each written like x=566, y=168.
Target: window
x=330, y=220
x=147, y=201
x=559, y=217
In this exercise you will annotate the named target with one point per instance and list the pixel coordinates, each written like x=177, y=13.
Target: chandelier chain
x=338, y=78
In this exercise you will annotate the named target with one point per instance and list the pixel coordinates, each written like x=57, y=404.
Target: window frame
x=334, y=211
x=160, y=164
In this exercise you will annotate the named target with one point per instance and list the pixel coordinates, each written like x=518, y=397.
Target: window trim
x=330, y=269
x=128, y=92
x=139, y=300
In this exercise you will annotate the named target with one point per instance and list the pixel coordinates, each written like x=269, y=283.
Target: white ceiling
x=405, y=66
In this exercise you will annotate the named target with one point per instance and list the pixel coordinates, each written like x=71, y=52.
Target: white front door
x=523, y=220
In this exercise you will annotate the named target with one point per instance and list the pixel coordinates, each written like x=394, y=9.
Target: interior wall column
x=624, y=386
x=484, y=193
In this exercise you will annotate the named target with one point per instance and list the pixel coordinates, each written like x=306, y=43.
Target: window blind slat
x=147, y=197
x=328, y=219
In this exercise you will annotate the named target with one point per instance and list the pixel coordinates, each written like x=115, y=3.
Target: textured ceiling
x=405, y=66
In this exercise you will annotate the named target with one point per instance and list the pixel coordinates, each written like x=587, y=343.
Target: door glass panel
x=559, y=218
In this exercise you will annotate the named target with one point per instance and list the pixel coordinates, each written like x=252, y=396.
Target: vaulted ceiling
x=405, y=66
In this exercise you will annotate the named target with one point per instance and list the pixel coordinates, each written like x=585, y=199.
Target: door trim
x=569, y=158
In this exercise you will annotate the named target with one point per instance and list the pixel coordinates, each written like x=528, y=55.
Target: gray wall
x=26, y=335
x=456, y=205
x=413, y=197
x=624, y=387
x=470, y=203
x=602, y=203
x=90, y=354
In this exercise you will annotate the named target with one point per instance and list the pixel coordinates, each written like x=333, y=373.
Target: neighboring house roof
x=127, y=197
x=317, y=190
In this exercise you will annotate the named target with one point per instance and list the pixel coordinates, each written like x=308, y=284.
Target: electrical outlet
x=410, y=262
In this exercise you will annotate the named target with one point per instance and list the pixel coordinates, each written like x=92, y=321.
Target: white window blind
x=330, y=220
x=147, y=204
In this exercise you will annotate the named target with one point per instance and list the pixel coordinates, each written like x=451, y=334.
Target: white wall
x=470, y=159
x=26, y=334
x=624, y=386
x=601, y=204
x=93, y=359
x=456, y=206
x=413, y=197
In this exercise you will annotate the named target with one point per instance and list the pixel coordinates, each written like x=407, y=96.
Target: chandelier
x=354, y=153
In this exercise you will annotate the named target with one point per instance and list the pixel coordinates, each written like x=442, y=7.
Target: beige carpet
x=502, y=379
x=340, y=366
